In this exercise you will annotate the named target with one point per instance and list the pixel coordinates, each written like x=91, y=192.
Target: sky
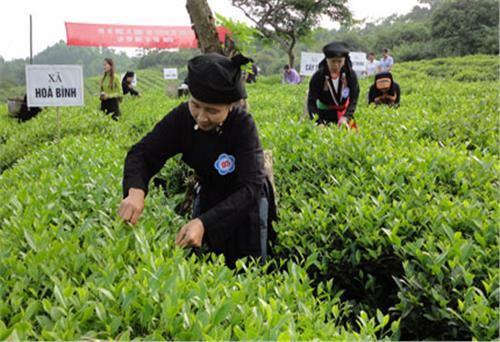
x=49, y=17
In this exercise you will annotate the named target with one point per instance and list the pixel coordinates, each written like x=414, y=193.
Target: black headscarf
x=381, y=75
x=127, y=74
x=394, y=89
x=336, y=49
x=213, y=78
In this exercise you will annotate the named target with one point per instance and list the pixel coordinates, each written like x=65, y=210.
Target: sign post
x=309, y=62
x=170, y=73
x=358, y=60
x=54, y=86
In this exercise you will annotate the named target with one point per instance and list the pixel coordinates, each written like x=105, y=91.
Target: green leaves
x=380, y=232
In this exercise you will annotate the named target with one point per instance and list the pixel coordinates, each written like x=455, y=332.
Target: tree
x=286, y=21
x=464, y=27
x=204, y=26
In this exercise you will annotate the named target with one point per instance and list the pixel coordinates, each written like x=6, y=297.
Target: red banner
x=165, y=37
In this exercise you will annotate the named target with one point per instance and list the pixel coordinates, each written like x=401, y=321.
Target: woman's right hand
x=132, y=206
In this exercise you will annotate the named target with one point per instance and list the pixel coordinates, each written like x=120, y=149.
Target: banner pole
x=58, y=124
x=31, y=40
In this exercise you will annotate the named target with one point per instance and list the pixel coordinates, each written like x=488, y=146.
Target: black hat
x=336, y=49
x=129, y=74
x=214, y=78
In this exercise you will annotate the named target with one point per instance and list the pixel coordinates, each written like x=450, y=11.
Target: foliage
x=428, y=31
x=381, y=233
x=463, y=27
x=244, y=37
x=285, y=22
x=70, y=270
x=440, y=28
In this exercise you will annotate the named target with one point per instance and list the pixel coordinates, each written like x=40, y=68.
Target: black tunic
x=126, y=88
x=319, y=91
x=230, y=165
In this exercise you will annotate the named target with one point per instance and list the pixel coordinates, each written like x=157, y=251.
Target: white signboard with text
x=358, y=60
x=309, y=62
x=170, y=73
x=54, y=85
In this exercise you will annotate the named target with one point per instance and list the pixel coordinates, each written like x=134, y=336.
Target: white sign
x=358, y=60
x=54, y=85
x=170, y=73
x=134, y=80
x=309, y=62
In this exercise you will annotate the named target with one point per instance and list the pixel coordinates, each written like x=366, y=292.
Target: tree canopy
x=286, y=21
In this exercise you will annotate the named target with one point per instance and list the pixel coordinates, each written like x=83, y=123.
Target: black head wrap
x=336, y=49
x=381, y=76
x=127, y=74
x=213, y=78
x=384, y=75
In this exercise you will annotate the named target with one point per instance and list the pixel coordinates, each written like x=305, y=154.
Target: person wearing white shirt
x=371, y=64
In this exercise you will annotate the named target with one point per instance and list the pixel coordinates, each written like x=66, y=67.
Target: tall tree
x=204, y=26
x=463, y=27
x=286, y=21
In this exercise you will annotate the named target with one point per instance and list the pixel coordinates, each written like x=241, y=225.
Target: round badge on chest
x=225, y=164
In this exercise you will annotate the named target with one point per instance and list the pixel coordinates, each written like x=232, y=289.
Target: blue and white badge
x=345, y=92
x=225, y=164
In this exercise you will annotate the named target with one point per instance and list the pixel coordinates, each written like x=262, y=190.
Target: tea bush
x=389, y=233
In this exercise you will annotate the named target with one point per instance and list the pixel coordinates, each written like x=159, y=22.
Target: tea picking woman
x=384, y=90
x=127, y=84
x=234, y=206
x=333, y=89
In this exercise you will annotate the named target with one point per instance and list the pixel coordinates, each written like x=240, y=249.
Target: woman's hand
x=191, y=235
x=342, y=121
x=132, y=206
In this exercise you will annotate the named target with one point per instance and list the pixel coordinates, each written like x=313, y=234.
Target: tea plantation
x=390, y=233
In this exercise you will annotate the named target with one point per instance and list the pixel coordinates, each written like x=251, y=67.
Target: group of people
x=234, y=207
x=334, y=89
x=384, y=89
x=373, y=66
x=111, y=93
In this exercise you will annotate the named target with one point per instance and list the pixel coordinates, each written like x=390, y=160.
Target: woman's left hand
x=191, y=235
x=342, y=121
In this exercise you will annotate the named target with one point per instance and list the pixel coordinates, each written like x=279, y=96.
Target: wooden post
x=58, y=124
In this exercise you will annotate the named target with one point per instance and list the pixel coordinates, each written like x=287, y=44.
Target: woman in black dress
x=333, y=89
x=384, y=90
x=234, y=206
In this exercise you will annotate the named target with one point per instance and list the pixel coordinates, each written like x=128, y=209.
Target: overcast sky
x=49, y=17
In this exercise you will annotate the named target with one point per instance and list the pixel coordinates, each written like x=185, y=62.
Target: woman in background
x=127, y=86
x=334, y=89
x=110, y=90
x=384, y=90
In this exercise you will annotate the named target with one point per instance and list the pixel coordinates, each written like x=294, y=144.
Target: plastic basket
x=14, y=105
